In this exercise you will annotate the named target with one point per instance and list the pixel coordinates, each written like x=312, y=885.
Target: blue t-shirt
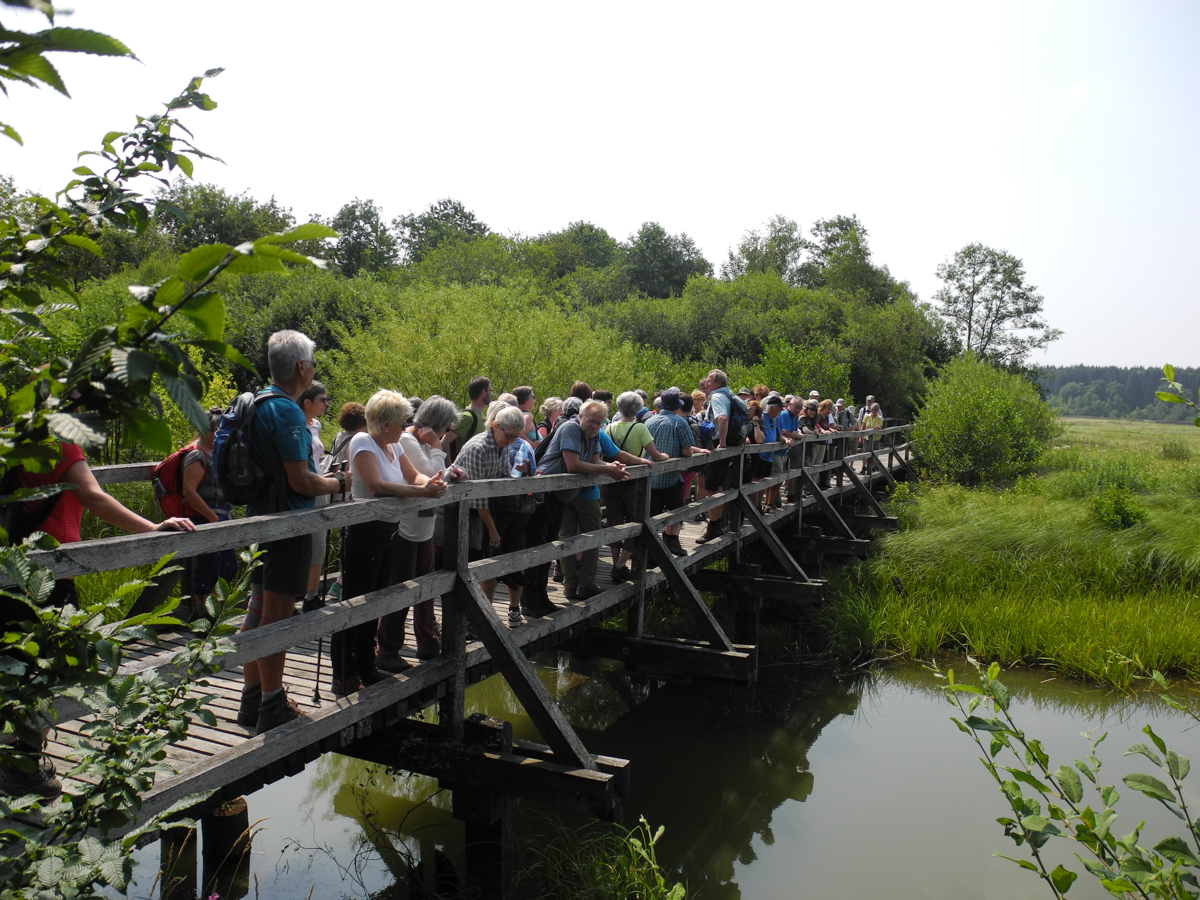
x=280, y=435
x=788, y=422
x=770, y=430
x=718, y=403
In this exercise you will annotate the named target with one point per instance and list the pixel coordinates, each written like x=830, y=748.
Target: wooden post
x=490, y=846
x=177, y=861
x=227, y=849
x=635, y=618
x=456, y=543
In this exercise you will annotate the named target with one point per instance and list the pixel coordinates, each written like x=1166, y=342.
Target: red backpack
x=168, y=483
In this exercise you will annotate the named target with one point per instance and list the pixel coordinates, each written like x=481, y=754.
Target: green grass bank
x=1092, y=560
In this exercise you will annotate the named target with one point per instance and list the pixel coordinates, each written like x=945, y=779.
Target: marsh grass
x=1031, y=575
x=595, y=861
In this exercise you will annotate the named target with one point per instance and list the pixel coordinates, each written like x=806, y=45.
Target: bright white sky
x=1067, y=133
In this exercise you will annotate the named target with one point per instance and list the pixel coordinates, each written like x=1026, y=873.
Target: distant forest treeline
x=1112, y=392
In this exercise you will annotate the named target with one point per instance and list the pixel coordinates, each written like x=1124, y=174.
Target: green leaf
x=311, y=231
x=247, y=265
x=187, y=400
x=979, y=724
x=1169, y=372
x=150, y=431
x=1062, y=879
x=82, y=40
x=1114, y=885
x=1177, y=850
x=1168, y=397
x=1158, y=742
x=1149, y=785
x=1145, y=751
x=206, y=310
x=79, y=240
x=1025, y=778
x=1068, y=780
x=225, y=351
x=11, y=132
x=1178, y=765
x=83, y=429
x=196, y=264
x=169, y=292
x=34, y=65
x=1035, y=823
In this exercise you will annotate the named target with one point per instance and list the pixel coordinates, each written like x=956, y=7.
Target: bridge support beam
x=672, y=654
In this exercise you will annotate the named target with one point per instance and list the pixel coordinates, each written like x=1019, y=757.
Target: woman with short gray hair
x=422, y=445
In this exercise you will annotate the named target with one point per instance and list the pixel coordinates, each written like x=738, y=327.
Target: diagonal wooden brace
x=519, y=674
x=660, y=556
x=771, y=540
x=887, y=474
x=828, y=508
x=864, y=490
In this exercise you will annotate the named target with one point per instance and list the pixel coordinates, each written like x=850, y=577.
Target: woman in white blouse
x=422, y=444
x=381, y=469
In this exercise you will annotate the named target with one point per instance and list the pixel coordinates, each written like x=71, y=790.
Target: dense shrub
x=1116, y=508
x=980, y=425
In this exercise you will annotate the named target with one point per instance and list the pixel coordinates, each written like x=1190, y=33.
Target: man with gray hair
x=281, y=446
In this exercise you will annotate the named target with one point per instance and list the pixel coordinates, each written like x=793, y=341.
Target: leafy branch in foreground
x=1174, y=392
x=51, y=847
x=1123, y=867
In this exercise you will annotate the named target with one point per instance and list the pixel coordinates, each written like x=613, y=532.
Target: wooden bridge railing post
x=635, y=619
x=456, y=541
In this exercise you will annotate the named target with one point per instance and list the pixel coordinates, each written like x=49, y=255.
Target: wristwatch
x=341, y=478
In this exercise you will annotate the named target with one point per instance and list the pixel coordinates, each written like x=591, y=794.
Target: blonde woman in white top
x=380, y=470
x=413, y=552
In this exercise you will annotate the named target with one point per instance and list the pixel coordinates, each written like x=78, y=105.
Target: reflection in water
x=808, y=787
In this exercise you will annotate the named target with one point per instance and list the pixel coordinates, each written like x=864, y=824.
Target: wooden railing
x=124, y=551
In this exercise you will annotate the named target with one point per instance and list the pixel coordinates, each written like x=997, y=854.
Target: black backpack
x=239, y=475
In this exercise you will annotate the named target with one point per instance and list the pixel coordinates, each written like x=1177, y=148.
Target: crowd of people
x=412, y=447
x=397, y=446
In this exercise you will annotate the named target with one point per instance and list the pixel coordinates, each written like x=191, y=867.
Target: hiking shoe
x=343, y=686
x=711, y=531
x=514, y=618
x=537, y=607
x=557, y=572
x=620, y=574
x=40, y=782
x=569, y=591
x=433, y=651
x=279, y=709
x=395, y=663
x=248, y=711
x=587, y=591
x=672, y=542
x=374, y=675
x=312, y=604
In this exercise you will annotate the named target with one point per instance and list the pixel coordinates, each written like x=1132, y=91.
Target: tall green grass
x=1032, y=575
x=594, y=861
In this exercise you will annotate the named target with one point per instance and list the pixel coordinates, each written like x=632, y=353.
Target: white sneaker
x=515, y=620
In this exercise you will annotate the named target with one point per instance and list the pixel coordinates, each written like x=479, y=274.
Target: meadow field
x=1089, y=567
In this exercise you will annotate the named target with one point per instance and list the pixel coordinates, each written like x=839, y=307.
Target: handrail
x=122, y=551
x=119, y=552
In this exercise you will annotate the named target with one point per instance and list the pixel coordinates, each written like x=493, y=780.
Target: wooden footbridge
x=770, y=558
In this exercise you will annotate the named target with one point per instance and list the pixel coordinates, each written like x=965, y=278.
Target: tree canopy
x=994, y=312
